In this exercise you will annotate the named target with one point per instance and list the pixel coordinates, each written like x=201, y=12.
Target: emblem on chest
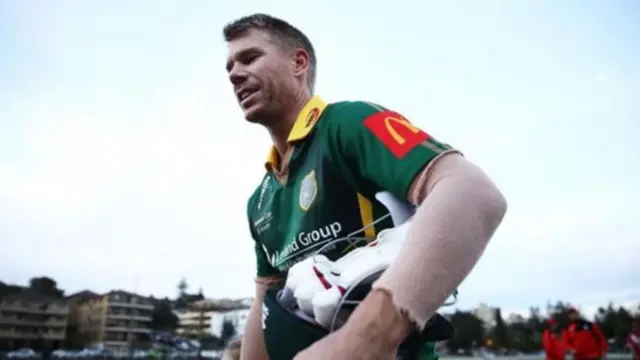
x=308, y=190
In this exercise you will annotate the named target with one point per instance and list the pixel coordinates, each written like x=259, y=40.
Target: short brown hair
x=285, y=34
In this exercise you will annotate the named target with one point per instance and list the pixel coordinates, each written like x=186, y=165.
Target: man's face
x=573, y=316
x=262, y=75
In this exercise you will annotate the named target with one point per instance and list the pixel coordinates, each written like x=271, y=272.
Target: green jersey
x=340, y=155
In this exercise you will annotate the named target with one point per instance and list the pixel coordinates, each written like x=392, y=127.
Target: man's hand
x=374, y=331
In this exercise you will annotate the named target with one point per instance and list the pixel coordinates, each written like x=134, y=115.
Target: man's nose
x=237, y=76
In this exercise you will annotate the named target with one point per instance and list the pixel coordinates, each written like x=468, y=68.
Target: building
x=30, y=319
x=116, y=320
x=209, y=316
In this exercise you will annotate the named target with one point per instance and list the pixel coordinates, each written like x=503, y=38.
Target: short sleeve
x=379, y=149
x=263, y=266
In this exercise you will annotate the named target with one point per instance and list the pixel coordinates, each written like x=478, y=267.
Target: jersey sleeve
x=263, y=266
x=379, y=149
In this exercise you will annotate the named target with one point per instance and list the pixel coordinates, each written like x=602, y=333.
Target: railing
x=10, y=334
x=117, y=316
x=50, y=310
x=14, y=320
x=123, y=304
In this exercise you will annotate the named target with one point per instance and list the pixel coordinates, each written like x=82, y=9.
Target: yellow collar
x=306, y=120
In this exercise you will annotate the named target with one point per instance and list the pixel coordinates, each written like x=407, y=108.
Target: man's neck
x=280, y=130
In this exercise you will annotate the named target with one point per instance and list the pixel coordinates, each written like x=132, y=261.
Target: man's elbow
x=496, y=201
x=466, y=180
x=491, y=204
x=460, y=183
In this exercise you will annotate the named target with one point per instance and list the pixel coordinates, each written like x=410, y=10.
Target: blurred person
x=584, y=338
x=554, y=342
x=232, y=351
x=633, y=339
x=326, y=166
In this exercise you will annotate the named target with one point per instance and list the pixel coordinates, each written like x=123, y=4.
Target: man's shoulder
x=353, y=109
x=347, y=115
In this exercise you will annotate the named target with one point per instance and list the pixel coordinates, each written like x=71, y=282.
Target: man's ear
x=301, y=62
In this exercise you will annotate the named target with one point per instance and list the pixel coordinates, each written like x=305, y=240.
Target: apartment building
x=116, y=320
x=208, y=316
x=33, y=320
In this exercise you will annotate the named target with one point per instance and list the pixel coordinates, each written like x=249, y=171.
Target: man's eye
x=249, y=59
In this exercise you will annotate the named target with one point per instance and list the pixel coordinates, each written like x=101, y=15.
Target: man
x=584, y=338
x=327, y=163
x=553, y=341
x=633, y=339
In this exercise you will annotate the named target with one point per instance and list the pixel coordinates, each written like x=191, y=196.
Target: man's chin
x=254, y=114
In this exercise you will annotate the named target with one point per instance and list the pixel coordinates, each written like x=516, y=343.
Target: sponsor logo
x=263, y=223
x=263, y=189
x=308, y=190
x=301, y=244
x=395, y=132
x=313, y=116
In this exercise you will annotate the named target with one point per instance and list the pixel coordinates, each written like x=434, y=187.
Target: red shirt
x=554, y=345
x=586, y=340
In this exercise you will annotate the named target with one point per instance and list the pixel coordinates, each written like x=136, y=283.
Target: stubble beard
x=275, y=105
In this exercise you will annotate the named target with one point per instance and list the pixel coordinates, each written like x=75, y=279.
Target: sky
x=125, y=161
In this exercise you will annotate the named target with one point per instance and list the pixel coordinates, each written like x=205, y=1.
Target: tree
x=182, y=288
x=500, y=333
x=228, y=331
x=558, y=312
x=75, y=338
x=622, y=327
x=184, y=299
x=469, y=332
x=9, y=289
x=615, y=324
x=536, y=320
x=162, y=317
x=536, y=323
x=46, y=286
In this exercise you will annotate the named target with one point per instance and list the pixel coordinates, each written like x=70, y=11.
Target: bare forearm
x=460, y=208
x=252, y=339
x=253, y=347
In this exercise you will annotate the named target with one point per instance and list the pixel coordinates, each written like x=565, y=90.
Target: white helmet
x=320, y=294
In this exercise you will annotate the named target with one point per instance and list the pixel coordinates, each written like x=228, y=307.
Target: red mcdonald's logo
x=396, y=132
